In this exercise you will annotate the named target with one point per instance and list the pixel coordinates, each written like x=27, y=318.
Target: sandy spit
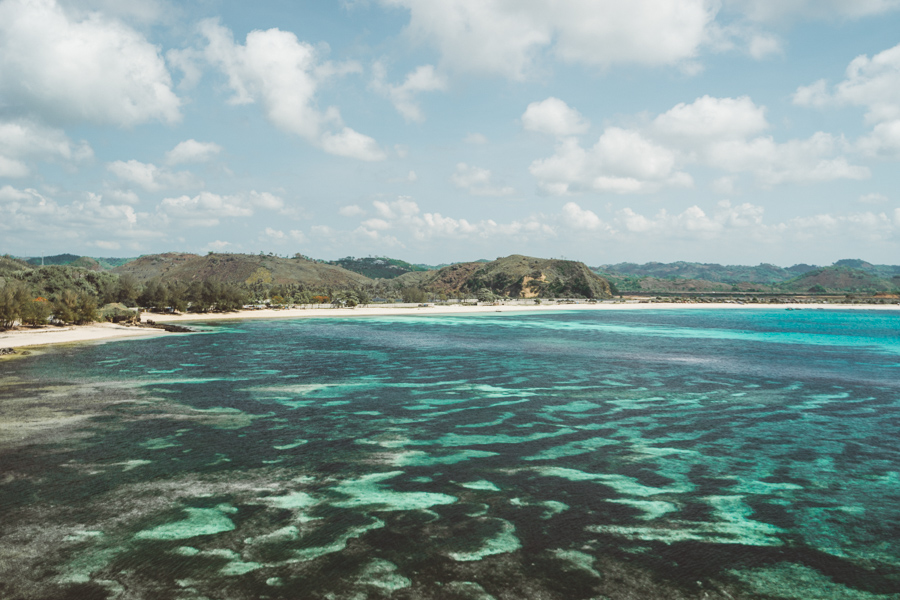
x=68, y=335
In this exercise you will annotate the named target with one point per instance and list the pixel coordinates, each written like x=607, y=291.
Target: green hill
x=516, y=276
x=380, y=267
x=73, y=260
x=840, y=279
x=239, y=269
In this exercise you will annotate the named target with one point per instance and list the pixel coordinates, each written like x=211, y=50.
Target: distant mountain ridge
x=846, y=275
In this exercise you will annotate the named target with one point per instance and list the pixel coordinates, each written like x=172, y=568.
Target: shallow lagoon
x=640, y=454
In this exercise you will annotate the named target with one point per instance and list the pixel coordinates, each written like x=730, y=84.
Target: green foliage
x=36, y=312
x=14, y=298
x=485, y=295
x=380, y=267
x=413, y=295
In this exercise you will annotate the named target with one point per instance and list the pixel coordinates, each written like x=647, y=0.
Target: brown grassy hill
x=240, y=268
x=516, y=276
x=840, y=279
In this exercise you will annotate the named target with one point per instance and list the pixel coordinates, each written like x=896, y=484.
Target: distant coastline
x=107, y=331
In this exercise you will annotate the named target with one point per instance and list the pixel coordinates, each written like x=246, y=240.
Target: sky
x=436, y=131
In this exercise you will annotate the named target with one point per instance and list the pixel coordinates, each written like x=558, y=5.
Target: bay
x=632, y=454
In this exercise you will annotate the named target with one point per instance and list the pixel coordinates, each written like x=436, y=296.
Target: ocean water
x=616, y=454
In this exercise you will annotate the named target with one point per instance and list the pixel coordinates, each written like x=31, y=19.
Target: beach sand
x=108, y=331
x=67, y=335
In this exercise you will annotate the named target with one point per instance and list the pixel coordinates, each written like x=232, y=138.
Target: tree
x=412, y=295
x=484, y=295
x=36, y=312
x=13, y=299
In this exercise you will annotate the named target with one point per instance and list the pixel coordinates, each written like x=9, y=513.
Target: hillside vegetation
x=845, y=276
x=378, y=267
x=237, y=269
x=514, y=276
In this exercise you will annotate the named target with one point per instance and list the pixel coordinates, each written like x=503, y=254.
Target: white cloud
x=504, y=37
x=884, y=140
x=708, y=117
x=873, y=198
x=89, y=69
x=554, y=117
x=403, y=216
x=352, y=144
x=352, y=210
x=207, y=209
x=192, y=151
x=477, y=181
x=423, y=79
x=764, y=45
x=13, y=168
x=796, y=161
x=27, y=217
x=476, y=139
x=622, y=161
x=714, y=132
x=870, y=82
x=152, y=178
x=26, y=139
x=282, y=73
x=403, y=206
x=775, y=11
x=873, y=83
x=576, y=217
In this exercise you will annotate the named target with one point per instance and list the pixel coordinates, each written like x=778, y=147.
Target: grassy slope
x=240, y=268
x=516, y=276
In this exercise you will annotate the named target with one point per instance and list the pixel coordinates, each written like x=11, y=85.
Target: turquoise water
x=644, y=454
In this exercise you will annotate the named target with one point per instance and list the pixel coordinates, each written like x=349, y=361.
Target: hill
x=515, y=276
x=840, y=279
x=73, y=260
x=763, y=273
x=378, y=267
x=848, y=275
x=239, y=269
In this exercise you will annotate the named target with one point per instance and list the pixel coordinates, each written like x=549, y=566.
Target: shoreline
x=99, y=332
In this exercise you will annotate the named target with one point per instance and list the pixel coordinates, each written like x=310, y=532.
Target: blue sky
x=732, y=131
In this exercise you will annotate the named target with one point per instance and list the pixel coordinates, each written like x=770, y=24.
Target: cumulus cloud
x=477, y=181
x=622, y=161
x=403, y=217
x=403, y=96
x=872, y=83
x=152, y=178
x=91, y=68
x=351, y=210
x=554, y=117
x=708, y=117
x=352, y=144
x=24, y=140
x=283, y=74
x=873, y=198
x=722, y=133
x=192, y=151
x=208, y=209
x=27, y=215
x=476, y=139
x=505, y=38
x=576, y=217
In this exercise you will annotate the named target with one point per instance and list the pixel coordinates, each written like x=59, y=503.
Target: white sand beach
x=107, y=331
x=71, y=334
